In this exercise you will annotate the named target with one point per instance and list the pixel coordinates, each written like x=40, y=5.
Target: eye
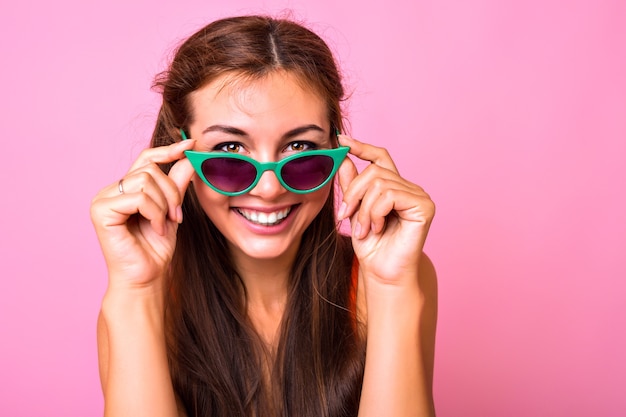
x=300, y=146
x=230, y=147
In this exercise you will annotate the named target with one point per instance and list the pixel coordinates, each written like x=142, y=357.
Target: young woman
x=231, y=291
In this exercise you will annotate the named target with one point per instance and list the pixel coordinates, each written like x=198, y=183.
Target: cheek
x=212, y=202
x=317, y=199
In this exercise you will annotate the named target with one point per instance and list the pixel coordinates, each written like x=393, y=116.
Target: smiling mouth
x=264, y=219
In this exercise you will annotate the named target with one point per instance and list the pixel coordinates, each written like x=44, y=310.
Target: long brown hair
x=219, y=364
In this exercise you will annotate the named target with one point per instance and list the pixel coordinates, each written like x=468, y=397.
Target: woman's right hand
x=136, y=219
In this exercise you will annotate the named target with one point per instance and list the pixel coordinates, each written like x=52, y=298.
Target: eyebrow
x=238, y=132
x=302, y=129
x=226, y=129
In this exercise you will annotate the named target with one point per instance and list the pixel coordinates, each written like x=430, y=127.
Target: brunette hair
x=219, y=364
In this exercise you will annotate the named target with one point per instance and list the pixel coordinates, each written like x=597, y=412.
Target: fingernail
x=357, y=230
x=348, y=138
x=179, y=214
x=342, y=211
x=185, y=143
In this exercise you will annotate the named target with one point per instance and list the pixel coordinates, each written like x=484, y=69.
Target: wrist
x=402, y=287
x=139, y=306
x=145, y=287
x=396, y=303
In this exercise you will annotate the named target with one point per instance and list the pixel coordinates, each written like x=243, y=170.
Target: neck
x=266, y=282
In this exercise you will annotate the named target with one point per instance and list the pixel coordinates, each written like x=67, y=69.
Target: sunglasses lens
x=227, y=174
x=307, y=172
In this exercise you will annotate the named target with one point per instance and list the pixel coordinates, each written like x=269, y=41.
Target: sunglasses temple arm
x=182, y=134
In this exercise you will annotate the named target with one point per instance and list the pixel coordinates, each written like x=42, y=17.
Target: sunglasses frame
x=197, y=158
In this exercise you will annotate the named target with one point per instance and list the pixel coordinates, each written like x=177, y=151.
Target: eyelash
x=224, y=146
x=309, y=145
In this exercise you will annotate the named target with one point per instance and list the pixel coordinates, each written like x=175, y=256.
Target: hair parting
x=219, y=364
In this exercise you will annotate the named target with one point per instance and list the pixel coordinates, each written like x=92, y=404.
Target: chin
x=264, y=249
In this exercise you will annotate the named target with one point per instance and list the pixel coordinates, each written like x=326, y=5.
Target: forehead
x=278, y=97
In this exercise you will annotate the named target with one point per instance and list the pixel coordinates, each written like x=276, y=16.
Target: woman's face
x=267, y=120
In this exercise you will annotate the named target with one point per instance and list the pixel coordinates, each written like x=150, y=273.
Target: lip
x=263, y=229
x=265, y=209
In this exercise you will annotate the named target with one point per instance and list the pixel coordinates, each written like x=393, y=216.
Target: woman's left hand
x=389, y=215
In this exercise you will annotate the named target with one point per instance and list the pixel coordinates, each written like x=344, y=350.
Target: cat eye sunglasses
x=234, y=174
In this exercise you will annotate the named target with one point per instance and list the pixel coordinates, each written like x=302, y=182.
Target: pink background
x=512, y=114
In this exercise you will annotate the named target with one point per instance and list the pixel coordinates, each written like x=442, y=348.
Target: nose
x=268, y=187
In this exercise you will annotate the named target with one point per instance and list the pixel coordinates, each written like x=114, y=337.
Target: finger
x=372, y=175
x=150, y=179
x=163, y=154
x=385, y=204
x=366, y=152
x=172, y=186
x=405, y=204
x=374, y=206
x=115, y=211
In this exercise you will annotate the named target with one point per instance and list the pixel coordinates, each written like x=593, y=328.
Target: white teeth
x=266, y=219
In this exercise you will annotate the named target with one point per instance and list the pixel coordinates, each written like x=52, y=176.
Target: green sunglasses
x=233, y=174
